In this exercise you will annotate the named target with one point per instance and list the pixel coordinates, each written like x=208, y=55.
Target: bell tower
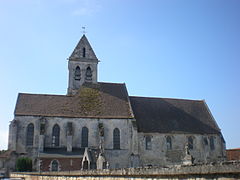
x=82, y=66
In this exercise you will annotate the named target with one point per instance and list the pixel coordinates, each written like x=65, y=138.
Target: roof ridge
x=110, y=83
x=167, y=98
x=44, y=94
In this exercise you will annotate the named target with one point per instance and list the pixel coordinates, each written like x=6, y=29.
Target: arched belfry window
x=169, y=142
x=30, y=134
x=84, y=52
x=190, y=142
x=55, y=165
x=77, y=74
x=116, y=138
x=55, y=135
x=88, y=74
x=84, y=137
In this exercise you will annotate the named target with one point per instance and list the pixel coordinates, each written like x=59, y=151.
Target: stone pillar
x=41, y=136
x=134, y=143
x=41, y=143
x=69, y=136
x=69, y=143
x=12, y=137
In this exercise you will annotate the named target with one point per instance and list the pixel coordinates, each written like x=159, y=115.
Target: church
x=97, y=125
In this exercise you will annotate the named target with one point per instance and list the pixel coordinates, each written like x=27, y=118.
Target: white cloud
x=3, y=139
x=87, y=7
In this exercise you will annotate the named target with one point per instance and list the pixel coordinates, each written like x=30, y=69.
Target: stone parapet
x=223, y=171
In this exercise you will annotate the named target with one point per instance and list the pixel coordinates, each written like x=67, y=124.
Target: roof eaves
x=129, y=103
x=74, y=116
x=205, y=104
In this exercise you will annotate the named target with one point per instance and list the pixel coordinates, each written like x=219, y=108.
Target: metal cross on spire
x=84, y=30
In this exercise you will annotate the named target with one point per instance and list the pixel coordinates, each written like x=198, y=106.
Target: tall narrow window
x=55, y=135
x=30, y=134
x=84, y=52
x=88, y=74
x=77, y=74
x=190, y=142
x=116, y=138
x=169, y=143
x=55, y=165
x=212, y=145
x=84, y=137
x=148, y=141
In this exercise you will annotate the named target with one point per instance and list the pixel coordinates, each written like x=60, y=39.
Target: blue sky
x=162, y=48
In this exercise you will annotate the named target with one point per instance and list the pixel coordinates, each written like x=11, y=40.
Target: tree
x=24, y=164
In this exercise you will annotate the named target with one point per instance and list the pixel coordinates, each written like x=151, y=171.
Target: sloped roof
x=165, y=115
x=102, y=100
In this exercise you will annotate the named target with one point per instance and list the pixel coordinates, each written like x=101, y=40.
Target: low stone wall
x=221, y=171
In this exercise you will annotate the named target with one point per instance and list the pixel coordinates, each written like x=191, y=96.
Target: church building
x=97, y=125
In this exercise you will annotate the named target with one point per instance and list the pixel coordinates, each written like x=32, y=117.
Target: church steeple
x=82, y=66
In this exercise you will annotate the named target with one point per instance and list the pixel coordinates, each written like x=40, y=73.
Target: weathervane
x=84, y=30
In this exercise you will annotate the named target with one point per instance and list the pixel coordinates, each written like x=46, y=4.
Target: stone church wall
x=124, y=125
x=132, y=143
x=159, y=154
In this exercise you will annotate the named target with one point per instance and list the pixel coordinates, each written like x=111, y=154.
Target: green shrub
x=24, y=164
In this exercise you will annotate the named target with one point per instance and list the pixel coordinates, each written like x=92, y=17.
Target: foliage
x=2, y=151
x=24, y=164
x=89, y=100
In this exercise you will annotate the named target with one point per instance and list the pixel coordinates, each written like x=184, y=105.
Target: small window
x=190, y=142
x=169, y=142
x=148, y=144
x=212, y=144
x=88, y=74
x=30, y=134
x=55, y=135
x=84, y=52
x=116, y=138
x=55, y=165
x=84, y=137
x=205, y=141
x=77, y=73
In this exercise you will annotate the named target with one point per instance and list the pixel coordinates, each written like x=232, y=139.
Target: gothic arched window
x=55, y=135
x=212, y=145
x=116, y=138
x=169, y=142
x=77, y=73
x=84, y=52
x=55, y=165
x=30, y=134
x=84, y=137
x=190, y=142
x=148, y=141
x=88, y=74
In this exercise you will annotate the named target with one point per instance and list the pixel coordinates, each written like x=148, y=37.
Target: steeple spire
x=83, y=50
x=82, y=65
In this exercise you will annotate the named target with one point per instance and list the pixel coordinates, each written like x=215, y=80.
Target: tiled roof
x=233, y=154
x=111, y=100
x=102, y=100
x=164, y=115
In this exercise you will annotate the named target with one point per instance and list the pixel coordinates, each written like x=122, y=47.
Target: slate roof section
x=102, y=100
x=163, y=115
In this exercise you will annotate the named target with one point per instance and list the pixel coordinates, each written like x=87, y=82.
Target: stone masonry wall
x=160, y=155
x=223, y=171
x=124, y=125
